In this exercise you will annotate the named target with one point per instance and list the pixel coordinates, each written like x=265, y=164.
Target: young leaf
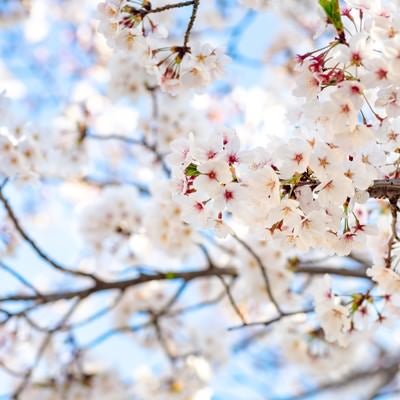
x=332, y=11
x=191, y=170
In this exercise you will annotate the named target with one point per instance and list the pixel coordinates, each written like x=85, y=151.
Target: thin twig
x=46, y=341
x=170, y=7
x=232, y=301
x=272, y=320
x=263, y=270
x=136, y=142
x=38, y=250
x=163, y=341
x=20, y=278
x=98, y=314
x=189, y=28
x=112, y=332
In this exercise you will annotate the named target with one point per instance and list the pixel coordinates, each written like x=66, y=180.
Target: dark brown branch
x=391, y=368
x=272, y=320
x=320, y=270
x=38, y=250
x=163, y=341
x=385, y=188
x=170, y=7
x=388, y=189
x=122, y=285
x=189, y=28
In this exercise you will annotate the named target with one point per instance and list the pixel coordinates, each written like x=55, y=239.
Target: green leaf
x=191, y=170
x=170, y=275
x=332, y=11
x=357, y=300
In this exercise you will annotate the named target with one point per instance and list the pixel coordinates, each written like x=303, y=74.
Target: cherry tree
x=177, y=205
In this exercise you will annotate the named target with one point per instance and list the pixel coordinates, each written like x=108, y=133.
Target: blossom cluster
x=355, y=84
x=90, y=384
x=108, y=224
x=224, y=221
x=29, y=152
x=116, y=225
x=289, y=194
x=303, y=192
x=189, y=381
x=140, y=32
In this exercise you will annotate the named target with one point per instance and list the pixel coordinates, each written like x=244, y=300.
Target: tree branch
x=170, y=7
x=264, y=272
x=390, y=369
x=189, y=28
x=122, y=285
x=28, y=239
x=272, y=320
x=321, y=270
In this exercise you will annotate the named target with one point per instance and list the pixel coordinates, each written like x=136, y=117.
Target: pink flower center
x=355, y=89
x=228, y=195
x=212, y=175
x=232, y=158
x=356, y=58
x=199, y=206
x=298, y=158
x=345, y=108
x=211, y=154
x=381, y=73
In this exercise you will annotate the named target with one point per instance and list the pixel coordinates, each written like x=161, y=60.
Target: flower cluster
x=123, y=83
x=29, y=152
x=20, y=152
x=90, y=384
x=289, y=194
x=306, y=347
x=174, y=121
x=341, y=317
x=188, y=382
x=305, y=192
x=250, y=288
x=242, y=219
x=164, y=225
x=138, y=300
x=138, y=31
x=108, y=224
x=351, y=90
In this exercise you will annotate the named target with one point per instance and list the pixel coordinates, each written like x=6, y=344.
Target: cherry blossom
x=163, y=197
